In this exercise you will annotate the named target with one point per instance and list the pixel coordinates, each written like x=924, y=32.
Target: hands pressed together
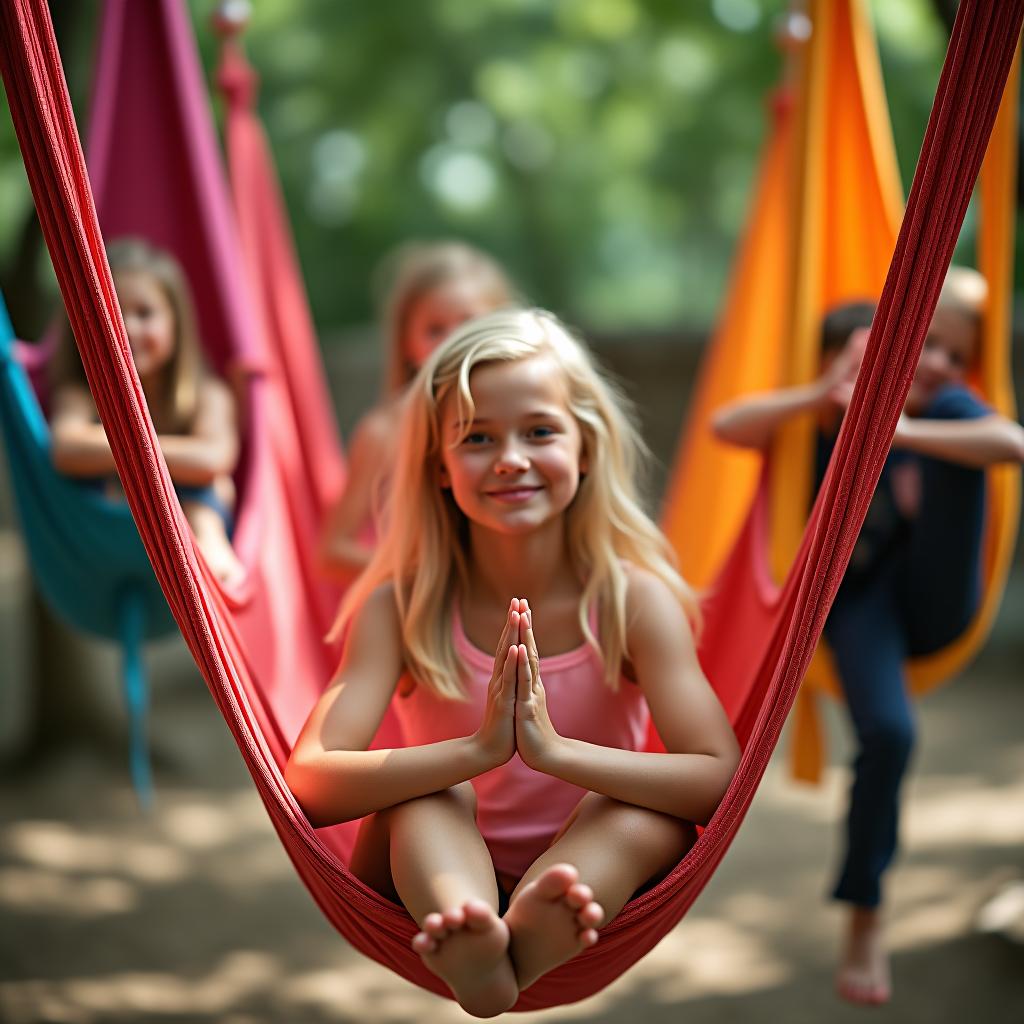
x=516, y=716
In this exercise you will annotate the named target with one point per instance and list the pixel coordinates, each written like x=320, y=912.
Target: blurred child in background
x=432, y=288
x=193, y=411
x=913, y=581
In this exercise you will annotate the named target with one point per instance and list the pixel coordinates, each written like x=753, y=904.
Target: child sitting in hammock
x=913, y=582
x=193, y=412
x=433, y=288
x=524, y=811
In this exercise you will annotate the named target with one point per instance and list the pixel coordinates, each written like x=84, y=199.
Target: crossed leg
x=429, y=854
x=604, y=853
x=487, y=960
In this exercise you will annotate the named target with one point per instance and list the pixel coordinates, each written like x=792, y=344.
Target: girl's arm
x=78, y=443
x=211, y=449
x=690, y=779
x=341, y=553
x=752, y=421
x=976, y=443
x=330, y=771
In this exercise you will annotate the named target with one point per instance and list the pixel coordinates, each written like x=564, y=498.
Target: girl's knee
x=891, y=740
x=460, y=798
x=648, y=828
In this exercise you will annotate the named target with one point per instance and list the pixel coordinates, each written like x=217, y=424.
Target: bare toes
x=579, y=895
x=454, y=918
x=423, y=943
x=556, y=881
x=590, y=916
x=478, y=915
x=434, y=926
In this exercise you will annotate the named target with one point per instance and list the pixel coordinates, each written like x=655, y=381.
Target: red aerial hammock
x=756, y=652
x=821, y=231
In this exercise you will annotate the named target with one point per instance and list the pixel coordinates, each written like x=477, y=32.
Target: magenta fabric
x=259, y=648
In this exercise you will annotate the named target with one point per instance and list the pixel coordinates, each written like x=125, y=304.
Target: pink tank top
x=520, y=810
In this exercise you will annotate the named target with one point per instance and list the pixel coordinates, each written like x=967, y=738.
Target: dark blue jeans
x=914, y=602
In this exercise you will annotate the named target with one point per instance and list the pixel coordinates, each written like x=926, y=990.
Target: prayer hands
x=536, y=739
x=496, y=735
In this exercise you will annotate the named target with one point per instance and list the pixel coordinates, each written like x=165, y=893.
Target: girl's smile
x=516, y=464
x=514, y=495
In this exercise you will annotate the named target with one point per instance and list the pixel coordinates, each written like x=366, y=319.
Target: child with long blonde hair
x=193, y=411
x=523, y=811
x=429, y=289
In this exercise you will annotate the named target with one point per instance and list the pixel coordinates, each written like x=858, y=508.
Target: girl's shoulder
x=382, y=603
x=377, y=429
x=651, y=604
x=72, y=400
x=212, y=388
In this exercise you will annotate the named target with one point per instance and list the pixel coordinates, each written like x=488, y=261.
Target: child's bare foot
x=467, y=948
x=551, y=919
x=223, y=562
x=212, y=540
x=863, y=975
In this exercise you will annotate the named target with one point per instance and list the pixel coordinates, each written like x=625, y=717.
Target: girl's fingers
x=511, y=629
x=508, y=671
x=524, y=687
x=531, y=647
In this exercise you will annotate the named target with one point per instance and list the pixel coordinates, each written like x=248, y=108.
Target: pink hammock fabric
x=259, y=649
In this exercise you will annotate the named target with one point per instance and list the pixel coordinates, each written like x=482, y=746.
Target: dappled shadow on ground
x=193, y=912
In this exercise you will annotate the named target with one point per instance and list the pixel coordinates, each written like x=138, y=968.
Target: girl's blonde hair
x=423, y=553
x=417, y=268
x=182, y=374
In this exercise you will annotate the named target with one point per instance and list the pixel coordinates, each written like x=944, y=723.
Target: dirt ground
x=193, y=913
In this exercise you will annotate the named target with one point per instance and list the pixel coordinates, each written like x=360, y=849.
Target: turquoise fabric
x=87, y=558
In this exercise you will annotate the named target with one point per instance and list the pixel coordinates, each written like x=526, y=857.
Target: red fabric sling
x=755, y=650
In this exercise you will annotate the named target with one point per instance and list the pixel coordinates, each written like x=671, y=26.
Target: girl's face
x=148, y=319
x=519, y=465
x=436, y=313
x=949, y=352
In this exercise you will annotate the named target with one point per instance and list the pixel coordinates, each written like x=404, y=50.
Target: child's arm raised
x=751, y=421
x=689, y=780
x=967, y=442
x=330, y=771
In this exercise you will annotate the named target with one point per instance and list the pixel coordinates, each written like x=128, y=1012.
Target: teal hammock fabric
x=86, y=554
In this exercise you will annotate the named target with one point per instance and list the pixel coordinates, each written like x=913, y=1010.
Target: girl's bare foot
x=551, y=919
x=863, y=975
x=467, y=948
x=213, y=542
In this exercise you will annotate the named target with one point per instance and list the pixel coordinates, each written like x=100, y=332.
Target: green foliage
x=603, y=149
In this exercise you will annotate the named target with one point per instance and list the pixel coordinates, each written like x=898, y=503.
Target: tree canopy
x=602, y=149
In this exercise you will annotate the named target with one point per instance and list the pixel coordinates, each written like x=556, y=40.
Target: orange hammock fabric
x=821, y=231
x=254, y=647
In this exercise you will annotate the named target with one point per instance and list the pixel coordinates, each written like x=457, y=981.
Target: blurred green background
x=604, y=150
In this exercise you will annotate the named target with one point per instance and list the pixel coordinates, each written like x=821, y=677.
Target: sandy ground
x=193, y=913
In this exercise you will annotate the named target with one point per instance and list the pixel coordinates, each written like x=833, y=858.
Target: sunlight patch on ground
x=237, y=977
x=33, y=891
x=61, y=847
x=953, y=812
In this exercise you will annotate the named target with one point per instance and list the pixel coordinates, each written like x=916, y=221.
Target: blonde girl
x=430, y=289
x=193, y=411
x=523, y=811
